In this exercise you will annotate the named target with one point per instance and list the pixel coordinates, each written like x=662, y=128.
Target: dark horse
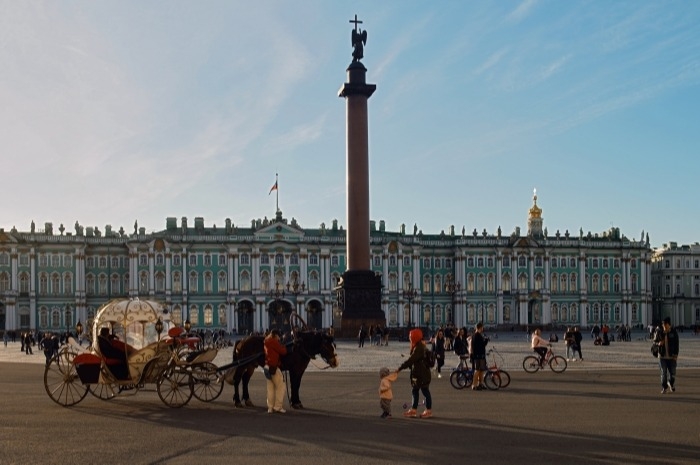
x=251, y=353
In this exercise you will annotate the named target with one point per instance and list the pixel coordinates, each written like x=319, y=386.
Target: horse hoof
x=249, y=403
x=238, y=405
x=297, y=406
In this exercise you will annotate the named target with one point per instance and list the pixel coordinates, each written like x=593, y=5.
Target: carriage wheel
x=62, y=382
x=206, y=385
x=296, y=321
x=175, y=387
x=106, y=391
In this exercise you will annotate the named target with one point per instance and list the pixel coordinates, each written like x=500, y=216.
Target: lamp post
x=295, y=289
x=159, y=327
x=277, y=294
x=453, y=288
x=79, y=331
x=410, y=294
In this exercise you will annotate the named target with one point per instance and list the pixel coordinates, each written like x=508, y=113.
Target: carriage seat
x=114, y=358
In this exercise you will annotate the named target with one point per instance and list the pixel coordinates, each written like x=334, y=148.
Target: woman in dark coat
x=420, y=375
x=439, y=349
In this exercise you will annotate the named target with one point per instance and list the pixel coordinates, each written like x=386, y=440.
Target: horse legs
x=246, y=377
x=236, y=382
x=295, y=380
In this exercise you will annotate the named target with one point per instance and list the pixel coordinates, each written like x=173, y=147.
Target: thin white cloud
x=491, y=61
x=522, y=11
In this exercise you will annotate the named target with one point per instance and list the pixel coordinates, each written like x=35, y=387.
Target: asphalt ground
x=606, y=409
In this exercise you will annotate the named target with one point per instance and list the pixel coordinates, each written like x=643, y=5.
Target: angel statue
x=359, y=39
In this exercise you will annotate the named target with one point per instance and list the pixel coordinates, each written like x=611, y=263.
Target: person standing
x=667, y=340
x=569, y=341
x=361, y=336
x=28, y=344
x=274, y=350
x=5, y=337
x=420, y=375
x=439, y=350
x=578, y=338
x=385, y=392
x=460, y=343
x=478, y=353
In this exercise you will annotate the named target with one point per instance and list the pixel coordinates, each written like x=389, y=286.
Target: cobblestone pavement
x=512, y=347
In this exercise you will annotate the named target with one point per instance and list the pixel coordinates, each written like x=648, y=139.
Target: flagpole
x=277, y=194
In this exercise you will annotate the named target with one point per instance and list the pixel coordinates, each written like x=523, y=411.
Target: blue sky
x=120, y=111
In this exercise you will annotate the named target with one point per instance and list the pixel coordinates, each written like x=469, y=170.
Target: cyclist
x=539, y=345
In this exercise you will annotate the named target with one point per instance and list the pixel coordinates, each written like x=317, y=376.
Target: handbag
x=655, y=350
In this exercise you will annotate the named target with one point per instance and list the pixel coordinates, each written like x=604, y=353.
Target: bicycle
x=557, y=363
x=497, y=372
x=463, y=376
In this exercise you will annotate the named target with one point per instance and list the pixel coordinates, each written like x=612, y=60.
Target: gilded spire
x=535, y=211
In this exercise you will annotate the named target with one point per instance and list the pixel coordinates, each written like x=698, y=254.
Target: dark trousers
x=667, y=366
x=426, y=393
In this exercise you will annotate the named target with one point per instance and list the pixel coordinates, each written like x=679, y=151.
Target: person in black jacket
x=667, y=340
x=439, y=350
x=478, y=354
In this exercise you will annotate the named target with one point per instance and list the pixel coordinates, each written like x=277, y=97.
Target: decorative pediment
x=279, y=231
x=525, y=242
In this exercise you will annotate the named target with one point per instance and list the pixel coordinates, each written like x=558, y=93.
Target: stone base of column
x=362, y=302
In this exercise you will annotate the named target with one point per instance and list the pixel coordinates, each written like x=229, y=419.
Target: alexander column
x=360, y=289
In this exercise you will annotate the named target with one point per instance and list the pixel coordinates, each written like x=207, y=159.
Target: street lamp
x=277, y=294
x=159, y=327
x=453, y=288
x=295, y=289
x=188, y=325
x=410, y=294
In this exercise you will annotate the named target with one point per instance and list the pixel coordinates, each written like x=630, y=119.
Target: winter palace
x=244, y=279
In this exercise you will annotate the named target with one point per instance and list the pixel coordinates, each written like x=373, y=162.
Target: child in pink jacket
x=385, y=392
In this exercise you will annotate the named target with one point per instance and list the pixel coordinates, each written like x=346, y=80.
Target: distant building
x=252, y=278
x=675, y=280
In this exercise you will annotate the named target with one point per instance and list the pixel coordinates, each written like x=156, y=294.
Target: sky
x=115, y=112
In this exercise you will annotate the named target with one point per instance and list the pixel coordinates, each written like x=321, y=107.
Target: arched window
x=505, y=284
x=438, y=283
x=426, y=283
x=143, y=282
x=192, y=286
x=90, y=284
x=490, y=283
x=563, y=279
x=406, y=280
x=572, y=283
x=222, y=315
x=595, y=284
x=393, y=315
x=426, y=315
x=506, y=314
x=176, y=315
x=115, y=284
x=616, y=283
x=194, y=315
x=522, y=281
x=539, y=281
x=555, y=283
x=55, y=284
x=245, y=281
x=480, y=283
x=606, y=283
x=102, y=283
x=160, y=282
x=471, y=285
x=67, y=283
x=555, y=313
x=177, y=282
x=44, y=317
x=313, y=282
x=222, y=286
x=393, y=282
x=55, y=319
x=279, y=259
x=4, y=282
x=24, y=283
x=208, y=315
x=522, y=261
x=265, y=281
x=573, y=313
x=208, y=282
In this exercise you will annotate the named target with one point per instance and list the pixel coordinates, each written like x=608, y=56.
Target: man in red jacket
x=275, y=384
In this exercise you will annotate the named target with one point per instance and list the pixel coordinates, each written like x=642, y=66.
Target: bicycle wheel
x=459, y=379
x=492, y=380
x=557, y=364
x=505, y=378
x=531, y=364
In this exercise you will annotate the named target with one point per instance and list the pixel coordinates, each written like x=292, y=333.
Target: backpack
x=430, y=358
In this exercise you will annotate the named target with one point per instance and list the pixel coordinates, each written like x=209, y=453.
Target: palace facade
x=251, y=278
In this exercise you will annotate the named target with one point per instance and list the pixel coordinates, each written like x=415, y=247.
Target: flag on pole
x=273, y=188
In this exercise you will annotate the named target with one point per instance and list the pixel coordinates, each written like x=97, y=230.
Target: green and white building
x=675, y=280
x=250, y=278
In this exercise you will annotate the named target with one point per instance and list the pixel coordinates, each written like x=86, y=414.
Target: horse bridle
x=312, y=358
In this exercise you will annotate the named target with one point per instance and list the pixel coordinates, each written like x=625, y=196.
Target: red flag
x=273, y=188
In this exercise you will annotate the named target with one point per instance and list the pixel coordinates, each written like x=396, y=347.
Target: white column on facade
x=168, y=280
x=151, y=272
x=385, y=268
x=547, y=278
x=399, y=278
x=583, y=285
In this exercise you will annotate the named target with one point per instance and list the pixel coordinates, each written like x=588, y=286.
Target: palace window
x=572, y=283
x=222, y=286
x=192, y=259
x=103, y=262
x=222, y=315
x=554, y=262
x=177, y=282
x=208, y=315
x=313, y=282
x=245, y=259
x=279, y=259
x=160, y=282
x=4, y=282
x=392, y=260
x=207, y=260
x=555, y=282
x=177, y=260
x=193, y=282
x=115, y=262
x=222, y=259
x=313, y=259
x=160, y=260
x=377, y=261
x=294, y=259
x=245, y=281
x=143, y=282
x=67, y=283
x=24, y=283
x=470, y=262
x=143, y=260
x=115, y=284
x=208, y=283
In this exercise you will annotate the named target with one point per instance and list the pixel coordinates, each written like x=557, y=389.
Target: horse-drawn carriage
x=127, y=353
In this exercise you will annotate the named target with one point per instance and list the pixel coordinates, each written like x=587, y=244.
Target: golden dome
x=535, y=211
